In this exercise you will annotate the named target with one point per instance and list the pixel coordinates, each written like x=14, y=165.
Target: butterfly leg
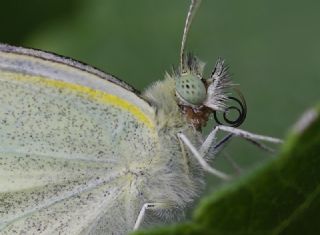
x=200, y=158
x=199, y=154
x=147, y=206
x=247, y=135
x=210, y=140
x=253, y=138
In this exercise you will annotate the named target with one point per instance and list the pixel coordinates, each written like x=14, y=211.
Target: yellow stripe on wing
x=89, y=92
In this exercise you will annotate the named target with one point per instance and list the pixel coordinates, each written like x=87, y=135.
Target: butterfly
x=82, y=152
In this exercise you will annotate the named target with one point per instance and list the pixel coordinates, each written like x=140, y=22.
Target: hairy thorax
x=177, y=173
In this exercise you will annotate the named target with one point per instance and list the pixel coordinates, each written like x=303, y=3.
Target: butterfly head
x=199, y=97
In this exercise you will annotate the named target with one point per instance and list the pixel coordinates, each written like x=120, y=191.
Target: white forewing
x=64, y=155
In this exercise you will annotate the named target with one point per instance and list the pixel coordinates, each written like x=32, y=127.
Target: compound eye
x=191, y=89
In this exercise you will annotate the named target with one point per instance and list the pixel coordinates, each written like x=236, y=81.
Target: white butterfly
x=81, y=152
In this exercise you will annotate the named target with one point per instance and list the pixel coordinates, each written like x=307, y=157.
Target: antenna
x=192, y=10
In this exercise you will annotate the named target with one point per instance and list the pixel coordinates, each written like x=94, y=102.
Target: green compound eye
x=191, y=89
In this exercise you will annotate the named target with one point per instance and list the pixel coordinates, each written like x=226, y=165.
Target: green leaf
x=281, y=197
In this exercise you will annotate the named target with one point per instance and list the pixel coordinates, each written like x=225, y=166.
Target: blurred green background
x=272, y=47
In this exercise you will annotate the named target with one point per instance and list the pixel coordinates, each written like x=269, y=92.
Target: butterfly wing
x=68, y=134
